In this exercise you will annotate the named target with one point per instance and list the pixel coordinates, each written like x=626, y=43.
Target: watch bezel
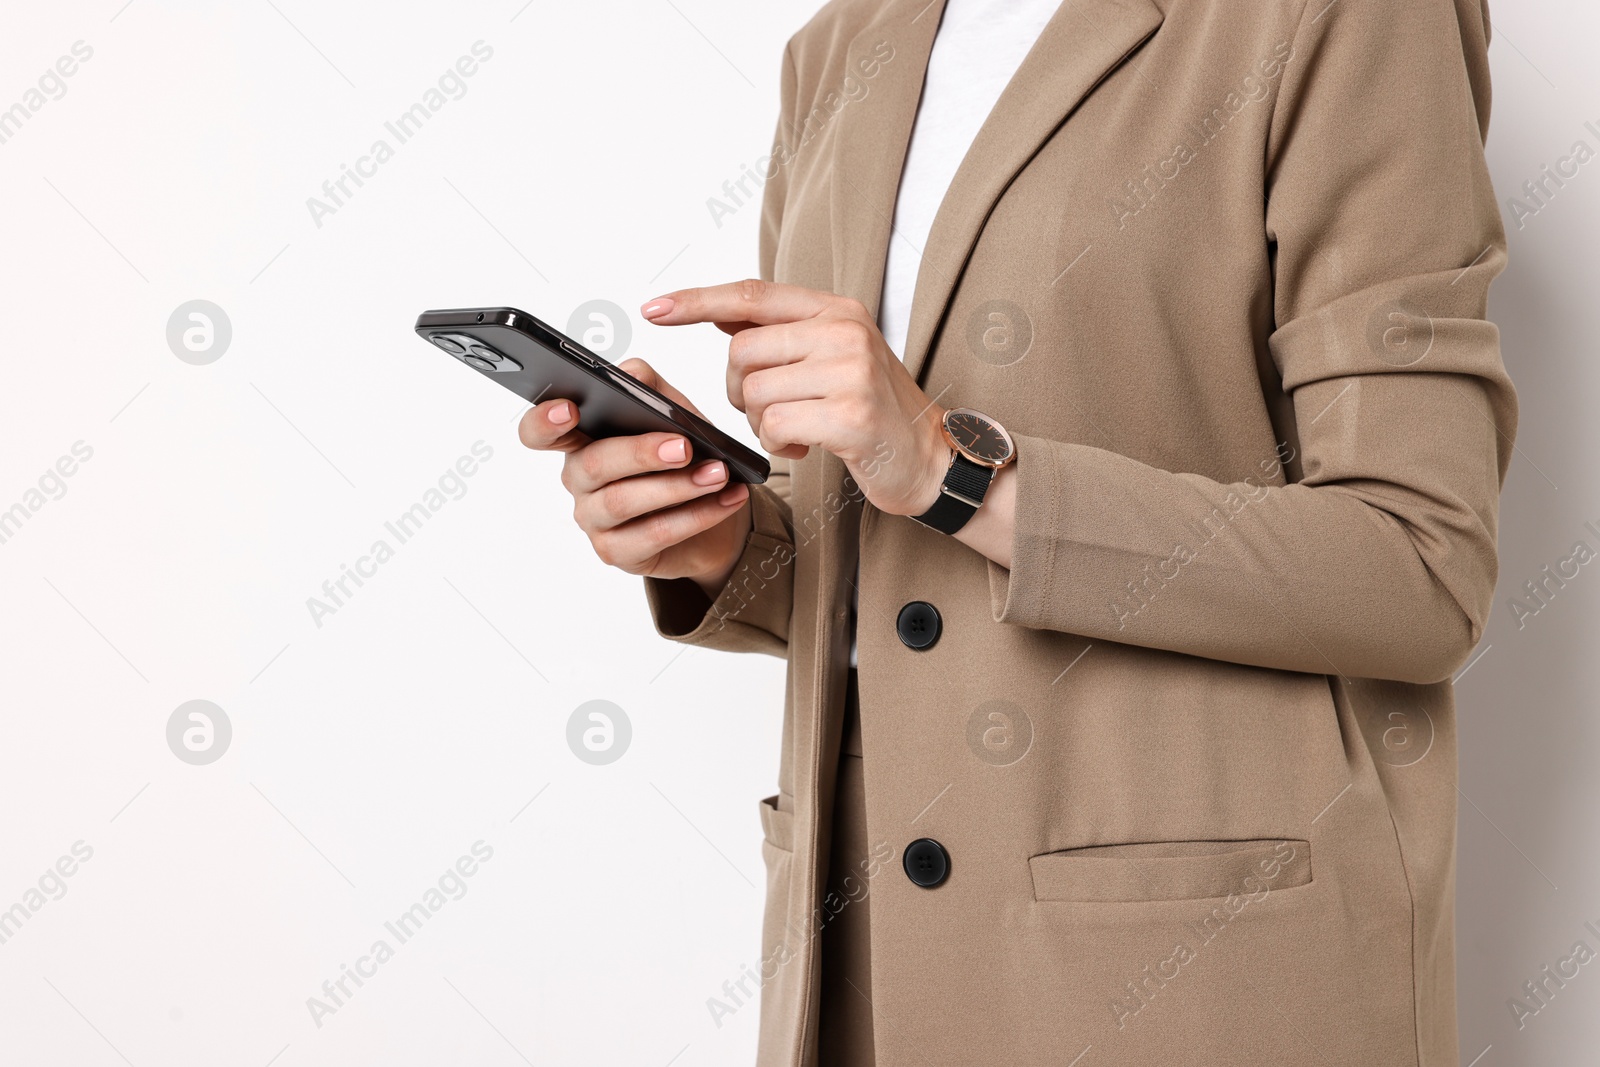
x=1011, y=446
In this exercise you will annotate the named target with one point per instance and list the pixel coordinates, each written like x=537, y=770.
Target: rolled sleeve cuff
x=1021, y=595
x=751, y=611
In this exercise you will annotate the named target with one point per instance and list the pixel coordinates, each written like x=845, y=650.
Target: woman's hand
x=811, y=369
x=646, y=507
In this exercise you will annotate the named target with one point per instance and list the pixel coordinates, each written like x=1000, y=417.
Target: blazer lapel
x=1082, y=43
x=869, y=152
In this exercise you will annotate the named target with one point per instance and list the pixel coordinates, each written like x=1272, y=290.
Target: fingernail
x=672, y=451
x=561, y=412
x=659, y=306
x=732, y=495
x=710, y=474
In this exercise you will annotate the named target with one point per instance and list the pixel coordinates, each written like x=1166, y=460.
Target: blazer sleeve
x=751, y=613
x=1380, y=560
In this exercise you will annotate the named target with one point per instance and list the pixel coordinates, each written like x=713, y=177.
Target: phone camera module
x=483, y=357
x=475, y=354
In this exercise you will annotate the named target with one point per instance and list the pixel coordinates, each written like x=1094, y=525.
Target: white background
x=371, y=752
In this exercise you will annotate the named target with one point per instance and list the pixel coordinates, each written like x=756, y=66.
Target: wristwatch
x=979, y=446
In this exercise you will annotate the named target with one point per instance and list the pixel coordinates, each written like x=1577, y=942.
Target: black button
x=918, y=625
x=926, y=862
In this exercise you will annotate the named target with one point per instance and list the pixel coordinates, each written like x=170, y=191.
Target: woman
x=1151, y=416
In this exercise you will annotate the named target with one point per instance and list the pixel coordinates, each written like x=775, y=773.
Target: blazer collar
x=1083, y=42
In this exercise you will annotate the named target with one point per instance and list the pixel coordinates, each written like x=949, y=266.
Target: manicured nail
x=561, y=412
x=710, y=474
x=733, y=494
x=673, y=451
x=657, y=307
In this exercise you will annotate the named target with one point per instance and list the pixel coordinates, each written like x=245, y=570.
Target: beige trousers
x=845, y=1026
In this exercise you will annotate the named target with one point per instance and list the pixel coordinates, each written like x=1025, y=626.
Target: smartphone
x=538, y=362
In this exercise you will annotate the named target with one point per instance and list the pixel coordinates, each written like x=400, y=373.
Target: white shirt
x=979, y=46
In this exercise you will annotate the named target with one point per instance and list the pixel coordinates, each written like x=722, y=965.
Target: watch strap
x=964, y=487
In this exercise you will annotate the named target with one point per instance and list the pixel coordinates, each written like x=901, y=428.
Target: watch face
x=980, y=439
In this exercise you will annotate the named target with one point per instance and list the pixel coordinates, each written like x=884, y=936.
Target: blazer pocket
x=777, y=826
x=1171, y=870
x=777, y=852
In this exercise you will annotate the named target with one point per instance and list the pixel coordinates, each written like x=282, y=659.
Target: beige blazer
x=1221, y=268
